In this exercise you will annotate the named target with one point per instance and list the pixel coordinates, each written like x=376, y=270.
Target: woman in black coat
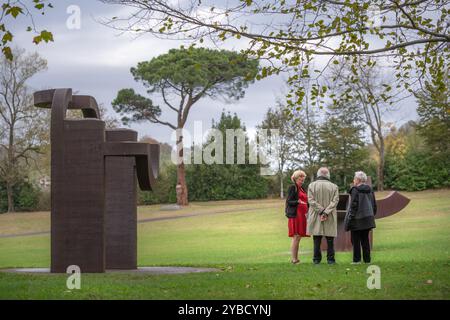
x=360, y=218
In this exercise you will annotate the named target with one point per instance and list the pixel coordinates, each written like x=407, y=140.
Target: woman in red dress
x=297, y=225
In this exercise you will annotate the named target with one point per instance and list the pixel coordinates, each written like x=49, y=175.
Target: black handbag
x=347, y=221
x=347, y=218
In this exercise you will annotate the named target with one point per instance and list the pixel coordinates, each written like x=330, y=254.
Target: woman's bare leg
x=294, y=247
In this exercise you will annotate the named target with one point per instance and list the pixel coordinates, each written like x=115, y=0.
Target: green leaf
x=7, y=52
x=7, y=37
x=14, y=11
x=264, y=72
x=46, y=36
x=37, y=39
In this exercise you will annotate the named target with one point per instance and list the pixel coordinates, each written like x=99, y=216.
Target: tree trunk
x=380, y=171
x=181, y=188
x=10, y=194
x=11, y=166
x=311, y=175
x=182, y=192
x=281, y=186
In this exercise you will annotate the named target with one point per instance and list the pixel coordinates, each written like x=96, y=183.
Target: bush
x=162, y=189
x=224, y=182
x=26, y=196
x=208, y=182
x=418, y=171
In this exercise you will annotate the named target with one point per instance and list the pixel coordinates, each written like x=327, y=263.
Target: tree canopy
x=412, y=36
x=434, y=117
x=15, y=9
x=185, y=74
x=199, y=71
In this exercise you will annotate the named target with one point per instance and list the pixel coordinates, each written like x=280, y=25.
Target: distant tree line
x=213, y=181
x=417, y=157
x=348, y=135
x=417, y=154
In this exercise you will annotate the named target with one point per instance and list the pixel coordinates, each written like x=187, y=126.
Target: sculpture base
x=148, y=270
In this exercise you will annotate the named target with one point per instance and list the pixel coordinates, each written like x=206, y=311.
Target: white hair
x=361, y=176
x=323, y=172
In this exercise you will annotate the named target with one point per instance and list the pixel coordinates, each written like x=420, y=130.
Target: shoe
x=316, y=262
x=356, y=262
x=331, y=262
x=295, y=261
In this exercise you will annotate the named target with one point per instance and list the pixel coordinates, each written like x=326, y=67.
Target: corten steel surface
x=388, y=206
x=121, y=212
x=79, y=159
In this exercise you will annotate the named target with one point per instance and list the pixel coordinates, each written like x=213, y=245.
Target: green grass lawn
x=251, y=248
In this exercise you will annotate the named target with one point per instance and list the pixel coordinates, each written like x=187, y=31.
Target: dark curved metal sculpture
x=388, y=206
x=93, y=185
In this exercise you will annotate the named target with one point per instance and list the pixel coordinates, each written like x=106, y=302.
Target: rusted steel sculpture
x=93, y=217
x=388, y=206
x=121, y=198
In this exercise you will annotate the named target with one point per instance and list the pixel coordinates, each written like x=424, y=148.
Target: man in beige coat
x=323, y=198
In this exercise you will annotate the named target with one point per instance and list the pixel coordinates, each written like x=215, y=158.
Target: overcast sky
x=96, y=60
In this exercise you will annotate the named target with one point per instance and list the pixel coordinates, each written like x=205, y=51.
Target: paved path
x=24, y=234
x=152, y=219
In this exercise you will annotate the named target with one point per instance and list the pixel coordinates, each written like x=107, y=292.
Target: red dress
x=297, y=225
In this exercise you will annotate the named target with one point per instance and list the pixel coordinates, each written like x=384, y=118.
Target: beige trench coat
x=322, y=194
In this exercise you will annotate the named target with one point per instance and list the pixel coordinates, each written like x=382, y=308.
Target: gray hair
x=361, y=176
x=323, y=172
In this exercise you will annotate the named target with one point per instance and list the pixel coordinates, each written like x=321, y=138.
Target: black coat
x=362, y=210
x=292, y=201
